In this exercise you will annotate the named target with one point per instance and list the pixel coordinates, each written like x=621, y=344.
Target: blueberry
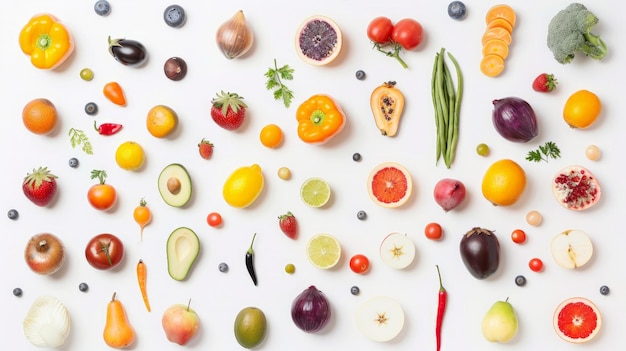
x=102, y=7
x=83, y=287
x=91, y=108
x=360, y=74
x=174, y=16
x=604, y=290
x=355, y=290
x=73, y=162
x=457, y=10
x=520, y=280
x=361, y=215
x=223, y=267
x=356, y=157
x=17, y=292
x=13, y=214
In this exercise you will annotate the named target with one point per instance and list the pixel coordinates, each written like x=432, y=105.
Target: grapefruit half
x=577, y=320
x=389, y=185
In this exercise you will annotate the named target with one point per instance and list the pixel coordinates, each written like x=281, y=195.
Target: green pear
x=500, y=322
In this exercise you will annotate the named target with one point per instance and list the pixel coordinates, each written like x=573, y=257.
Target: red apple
x=180, y=323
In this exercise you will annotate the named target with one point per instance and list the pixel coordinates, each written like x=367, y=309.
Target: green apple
x=500, y=322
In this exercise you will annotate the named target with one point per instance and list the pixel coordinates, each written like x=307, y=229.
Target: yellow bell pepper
x=319, y=119
x=46, y=40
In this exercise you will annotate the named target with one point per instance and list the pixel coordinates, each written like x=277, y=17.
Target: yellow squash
x=387, y=104
x=46, y=40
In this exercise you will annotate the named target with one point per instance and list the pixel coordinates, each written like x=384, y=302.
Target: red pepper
x=107, y=128
x=441, y=309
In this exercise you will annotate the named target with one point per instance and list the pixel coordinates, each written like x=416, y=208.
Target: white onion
x=47, y=323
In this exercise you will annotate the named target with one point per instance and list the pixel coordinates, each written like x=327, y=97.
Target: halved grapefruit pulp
x=389, y=185
x=577, y=320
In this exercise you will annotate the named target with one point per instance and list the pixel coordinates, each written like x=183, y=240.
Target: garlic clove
x=47, y=323
x=234, y=37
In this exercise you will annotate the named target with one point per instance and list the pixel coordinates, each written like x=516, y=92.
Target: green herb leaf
x=544, y=153
x=78, y=137
x=275, y=77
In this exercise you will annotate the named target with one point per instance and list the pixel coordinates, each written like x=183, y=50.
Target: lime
x=250, y=327
x=315, y=192
x=323, y=251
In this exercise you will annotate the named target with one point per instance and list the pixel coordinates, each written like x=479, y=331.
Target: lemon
x=504, y=182
x=130, y=156
x=315, y=192
x=243, y=186
x=323, y=251
x=161, y=121
x=250, y=327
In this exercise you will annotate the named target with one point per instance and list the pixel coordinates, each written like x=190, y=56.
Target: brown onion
x=44, y=254
x=310, y=310
x=234, y=37
x=514, y=119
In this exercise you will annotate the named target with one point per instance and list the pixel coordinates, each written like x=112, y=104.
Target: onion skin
x=44, y=254
x=514, y=119
x=234, y=37
x=310, y=310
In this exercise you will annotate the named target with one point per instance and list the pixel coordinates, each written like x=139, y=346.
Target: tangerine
x=504, y=182
x=40, y=116
x=130, y=156
x=161, y=121
x=582, y=109
x=271, y=136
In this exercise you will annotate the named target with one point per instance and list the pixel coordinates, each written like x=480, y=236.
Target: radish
x=449, y=193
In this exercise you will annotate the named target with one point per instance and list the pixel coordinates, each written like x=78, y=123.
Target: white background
x=217, y=297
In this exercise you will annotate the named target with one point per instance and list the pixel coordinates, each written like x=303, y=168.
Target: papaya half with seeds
x=387, y=104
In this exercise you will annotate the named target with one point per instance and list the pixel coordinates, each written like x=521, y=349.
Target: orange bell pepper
x=319, y=119
x=46, y=40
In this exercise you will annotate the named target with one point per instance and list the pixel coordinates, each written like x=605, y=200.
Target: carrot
x=114, y=92
x=142, y=216
x=496, y=47
x=501, y=11
x=497, y=33
x=502, y=23
x=492, y=65
x=142, y=275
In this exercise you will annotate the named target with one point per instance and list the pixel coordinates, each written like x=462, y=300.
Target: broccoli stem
x=594, y=47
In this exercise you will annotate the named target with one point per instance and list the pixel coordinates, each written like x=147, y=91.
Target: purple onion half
x=514, y=119
x=310, y=310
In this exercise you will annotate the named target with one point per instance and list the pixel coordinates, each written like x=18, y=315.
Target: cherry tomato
x=104, y=251
x=359, y=264
x=433, y=231
x=408, y=33
x=379, y=30
x=536, y=265
x=214, y=219
x=102, y=196
x=518, y=236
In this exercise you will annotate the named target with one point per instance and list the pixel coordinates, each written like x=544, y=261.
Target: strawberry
x=205, y=148
x=544, y=83
x=288, y=224
x=228, y=110
x=40, y=186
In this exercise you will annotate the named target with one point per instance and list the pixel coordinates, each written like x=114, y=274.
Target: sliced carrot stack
x=500, y=20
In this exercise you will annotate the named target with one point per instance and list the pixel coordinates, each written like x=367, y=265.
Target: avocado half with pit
x=175, y=185
x=183, y=247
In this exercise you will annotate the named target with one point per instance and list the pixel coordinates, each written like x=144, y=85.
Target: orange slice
x=496, y=47
x=497, y=33
x=492, y=65
x=501, y=11
x=501, y=22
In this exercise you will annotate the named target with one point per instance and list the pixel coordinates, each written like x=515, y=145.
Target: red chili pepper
x=441, y=309
x=107, y=128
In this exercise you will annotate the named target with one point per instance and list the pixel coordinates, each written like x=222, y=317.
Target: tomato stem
x=395, y=52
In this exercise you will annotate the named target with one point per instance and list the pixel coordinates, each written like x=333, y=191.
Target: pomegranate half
x=576, y=188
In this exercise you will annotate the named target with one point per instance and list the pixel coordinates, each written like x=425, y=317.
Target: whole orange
x=40, y=116
x=504, y=182
x=582, y=109
x=271, y=135
x=161, y=121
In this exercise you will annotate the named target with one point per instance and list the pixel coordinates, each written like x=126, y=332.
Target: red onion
x=310, y=310
x=514, y=119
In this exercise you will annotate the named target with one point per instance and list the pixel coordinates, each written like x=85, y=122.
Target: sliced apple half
x=380, y=318
x=397, y=250
x=571, y=249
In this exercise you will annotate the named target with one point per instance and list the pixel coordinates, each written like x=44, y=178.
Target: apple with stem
x=180, y=323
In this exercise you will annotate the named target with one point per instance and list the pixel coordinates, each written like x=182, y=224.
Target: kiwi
x=318, y=40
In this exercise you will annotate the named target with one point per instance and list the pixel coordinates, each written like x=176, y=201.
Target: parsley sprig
x=78, y=137
x=544, y=153
x=275, y=77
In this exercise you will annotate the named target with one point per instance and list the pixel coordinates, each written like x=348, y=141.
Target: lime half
x=315, y=192
x=323, y=251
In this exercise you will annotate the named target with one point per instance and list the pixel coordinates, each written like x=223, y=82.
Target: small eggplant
x=480, y=252
x=128, y=52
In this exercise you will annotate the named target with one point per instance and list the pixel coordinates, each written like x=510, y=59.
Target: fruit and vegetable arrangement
x=183, y=214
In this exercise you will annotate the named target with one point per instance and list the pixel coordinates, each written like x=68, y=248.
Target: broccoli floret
x=570, y=32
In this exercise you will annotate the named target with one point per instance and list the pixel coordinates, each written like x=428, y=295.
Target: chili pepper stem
x=250, y=250
x=441, y=288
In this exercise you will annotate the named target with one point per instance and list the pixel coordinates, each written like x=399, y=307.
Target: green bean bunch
x=447, y=104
